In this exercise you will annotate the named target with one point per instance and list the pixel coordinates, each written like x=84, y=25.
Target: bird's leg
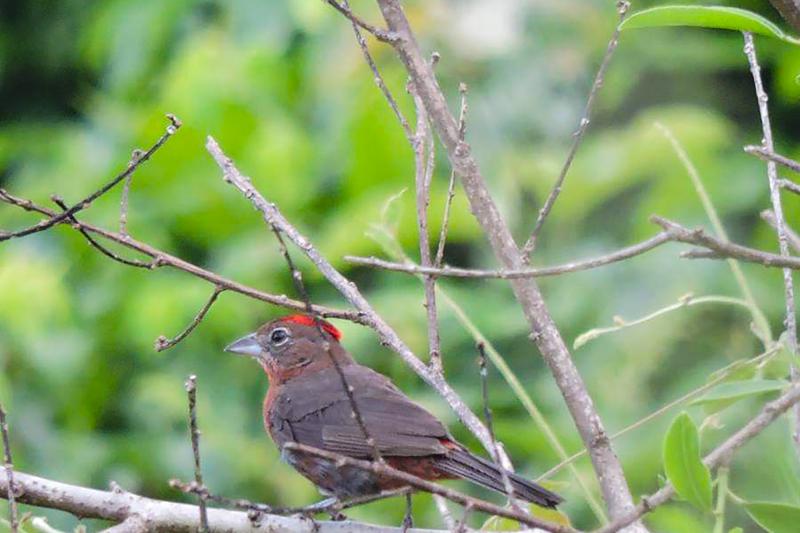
x=408, y=519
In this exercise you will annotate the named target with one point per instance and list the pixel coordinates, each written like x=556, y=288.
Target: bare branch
x=487, y=413
x=575, y=266
x=764, y=418
x=790, y=321
x=719, y=249
x=377, y=78
x=123, y=202
x=451, y=187
x=96, y=244
x=429, y=486
x=423, y=175
x=86, y=202
x=163, y=516
x=161, y=258
x=162, y=343
x=527, y=250
x=768, y=155
x=191, y=390
x=543, y=330
x=9, y=468
x=794, y=238
x=378, y=33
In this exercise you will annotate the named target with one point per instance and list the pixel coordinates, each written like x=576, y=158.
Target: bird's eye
x=279, y=336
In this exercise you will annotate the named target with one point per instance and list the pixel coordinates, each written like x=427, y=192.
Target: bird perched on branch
x=307, y=403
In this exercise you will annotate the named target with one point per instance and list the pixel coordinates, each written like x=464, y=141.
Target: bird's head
x=292, y=344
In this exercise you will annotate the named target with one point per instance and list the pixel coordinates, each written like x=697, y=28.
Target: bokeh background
x=283, y=87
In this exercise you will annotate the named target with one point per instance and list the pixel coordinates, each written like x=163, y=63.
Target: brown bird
x=307, y=404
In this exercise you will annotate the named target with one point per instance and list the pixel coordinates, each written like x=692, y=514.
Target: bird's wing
x=316, y=411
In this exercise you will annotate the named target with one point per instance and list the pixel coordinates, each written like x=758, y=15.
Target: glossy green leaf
x=683, y=464
x=775, y=517
x=737, y=390
x=726, y=18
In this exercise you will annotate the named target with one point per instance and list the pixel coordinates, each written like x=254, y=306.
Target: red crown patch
x=309, y=321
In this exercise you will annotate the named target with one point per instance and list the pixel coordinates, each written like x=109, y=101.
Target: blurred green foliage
x=283, y=87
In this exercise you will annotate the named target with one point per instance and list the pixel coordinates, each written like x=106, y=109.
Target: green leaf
x=733, y=391
x=682, y=463
x=774, y=517
x=735, y=530
x=726, y=18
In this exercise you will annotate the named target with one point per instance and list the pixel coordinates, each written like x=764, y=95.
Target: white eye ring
x=279, y=336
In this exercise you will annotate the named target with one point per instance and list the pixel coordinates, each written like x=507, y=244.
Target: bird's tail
x=461, y=463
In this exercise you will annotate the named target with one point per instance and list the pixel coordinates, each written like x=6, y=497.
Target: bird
x=307, y=403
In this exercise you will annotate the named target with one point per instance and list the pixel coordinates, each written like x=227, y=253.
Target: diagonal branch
x=161, y=258
x=134, y=163
x=162, y=343
x=790, y=321
x=577, y=137
x=544, y=331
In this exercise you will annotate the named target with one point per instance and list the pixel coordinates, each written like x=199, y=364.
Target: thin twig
x=527, y=250
x=487, y=413
x=191, y=391
x=790, y=321
x=719, y=249
x=462, y=524
x=96, y=244
x=789, y=186
x=451, y=186
x=764, y=418
x=86, y=202
x=794, y=238
x=575, y=266
x=379, y=33
x=768, y=155
x=423, y=174
x=123, y=202
x=161, y=258
x=163, y=343
x=9, y=468
x=377, y=77
x=429, y=486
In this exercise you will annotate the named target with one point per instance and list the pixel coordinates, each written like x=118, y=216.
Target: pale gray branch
x=574, y=266
x=780, y=222
x=164, y=516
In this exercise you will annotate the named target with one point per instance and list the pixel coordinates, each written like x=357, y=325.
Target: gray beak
x=247, y=345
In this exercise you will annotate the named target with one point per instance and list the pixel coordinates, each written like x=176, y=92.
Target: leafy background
x=284, y=89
